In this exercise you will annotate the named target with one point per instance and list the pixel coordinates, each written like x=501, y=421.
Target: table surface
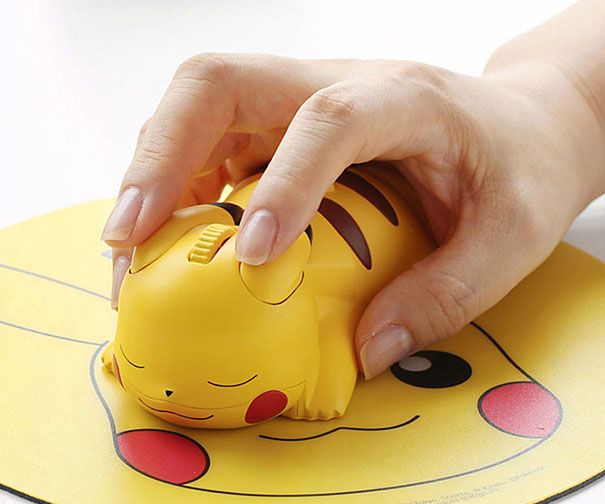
x=84, y=75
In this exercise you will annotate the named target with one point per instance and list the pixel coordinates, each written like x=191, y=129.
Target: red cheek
x=522, y=409
x=163, y=455
x=116, y=370
x=267, y=405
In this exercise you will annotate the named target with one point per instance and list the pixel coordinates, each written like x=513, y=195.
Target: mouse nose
x=168, y=392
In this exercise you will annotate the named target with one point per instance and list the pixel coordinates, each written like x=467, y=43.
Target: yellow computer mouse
x=509, y=409
x=206, y=341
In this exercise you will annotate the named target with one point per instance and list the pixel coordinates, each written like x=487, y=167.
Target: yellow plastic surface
x=69, y=433
x=204, y=341
x=181, y=222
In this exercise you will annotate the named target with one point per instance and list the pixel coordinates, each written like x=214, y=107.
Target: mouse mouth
x=175, y=413
x=161, y=403
x=162, y=406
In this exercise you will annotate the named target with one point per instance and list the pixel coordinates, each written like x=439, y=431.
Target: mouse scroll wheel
x=210, y=241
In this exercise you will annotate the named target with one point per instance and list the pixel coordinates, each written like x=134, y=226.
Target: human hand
x=502, y=164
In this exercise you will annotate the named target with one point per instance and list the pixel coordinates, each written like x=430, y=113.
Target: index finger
x=209, y=95
x=191, y=118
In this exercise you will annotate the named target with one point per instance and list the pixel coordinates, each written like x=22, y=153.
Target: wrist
x=575, y=118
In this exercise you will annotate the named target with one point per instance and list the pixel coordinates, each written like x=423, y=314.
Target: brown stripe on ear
x=309, y=232
x=346, y=227
x=362, y=187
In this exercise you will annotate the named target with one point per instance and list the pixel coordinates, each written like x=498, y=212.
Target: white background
x=78, y=78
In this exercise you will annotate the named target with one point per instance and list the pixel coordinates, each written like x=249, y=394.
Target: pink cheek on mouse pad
x=163, y=455
x=522, y=409
x=267, y=405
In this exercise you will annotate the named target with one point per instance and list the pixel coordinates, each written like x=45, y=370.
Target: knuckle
x=335, y=106
x=406, y=71
x=205, y=67
x=148, y=154
x=438, y=90
x=448, y=305
x=289, y=185
x=156, y=149
x=143, y=128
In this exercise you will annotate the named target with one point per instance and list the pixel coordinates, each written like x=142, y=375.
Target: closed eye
x=234, y=384
x=129, y=361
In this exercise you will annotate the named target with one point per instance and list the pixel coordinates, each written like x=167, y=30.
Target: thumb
x=439, y=295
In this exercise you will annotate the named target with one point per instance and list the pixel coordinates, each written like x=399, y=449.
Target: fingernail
x=390, y=344
x=120, y=268
x=124, y=215
x=255, y=241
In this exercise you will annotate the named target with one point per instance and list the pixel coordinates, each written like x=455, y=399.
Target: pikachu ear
x=277, y=280
x=173, y=229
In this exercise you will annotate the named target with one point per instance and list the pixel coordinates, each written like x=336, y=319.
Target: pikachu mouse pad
x=508, y=410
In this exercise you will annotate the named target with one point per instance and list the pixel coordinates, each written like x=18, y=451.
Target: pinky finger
x=121, y=263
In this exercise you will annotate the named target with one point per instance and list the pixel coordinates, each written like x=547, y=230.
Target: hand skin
x=502, y=163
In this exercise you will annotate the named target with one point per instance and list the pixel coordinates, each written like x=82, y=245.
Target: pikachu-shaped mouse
x=208, y=342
